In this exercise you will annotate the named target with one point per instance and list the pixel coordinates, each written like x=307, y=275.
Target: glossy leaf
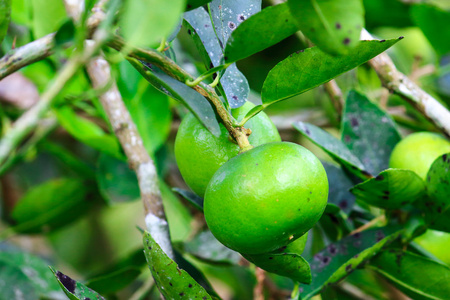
x=228, y=15
x=391, y=189
x=304, y=70
x=262, y=30
x=192, y=100
x=51, y=205
x=339, y=188
x=206, y=247
x=233, y=83
x=433, y=21
x=146, y=23
x=339, y=259
x=88, y=132
x=117, y=182
x=334, y=26
x=172, y=282
x=75, y=290
x=5, y=17
x=334, y=147
x=48, y=15
x=417, y=276
x=27, y=275
x=368, y=132
x=436, y=206
x=193, y=198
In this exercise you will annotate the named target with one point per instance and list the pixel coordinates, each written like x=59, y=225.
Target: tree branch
x=398, y=83
x=100, y=73
x=335, y=94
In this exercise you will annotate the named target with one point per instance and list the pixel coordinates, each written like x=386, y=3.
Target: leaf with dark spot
x=368, y=132
x=75, y=290
x=391, y=189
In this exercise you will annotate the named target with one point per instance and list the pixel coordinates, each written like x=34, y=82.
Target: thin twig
x=372, y=223
x=335, y=94
x=258, y=291
x=124, y=128
x=398, y=83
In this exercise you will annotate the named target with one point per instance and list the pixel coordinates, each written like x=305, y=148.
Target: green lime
x=418, y=151
x=199, y=153
x=263, y=199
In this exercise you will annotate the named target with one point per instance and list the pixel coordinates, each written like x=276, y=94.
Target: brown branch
x=335, y=94
x=124, y=128
x=398, y=83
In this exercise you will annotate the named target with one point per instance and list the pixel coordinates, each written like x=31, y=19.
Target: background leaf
x=340, y=185
x=345, y=256
x=416, y=276
x=172, y=281
x=392, y=189
x=116, y=181
x=146, y=23
x=5, y=17
x=333, y=147
x=260, y=31
x=433, y=21
x=334, y=26
x=51, y=205
x=304, y=70
x=368, y=132
x=48, y=16
x=193, y=198
x=192, y=4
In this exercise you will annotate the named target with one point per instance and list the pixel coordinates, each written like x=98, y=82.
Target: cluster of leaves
x=81, y=195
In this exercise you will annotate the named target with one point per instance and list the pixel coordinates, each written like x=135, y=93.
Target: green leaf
x=436, y=206
x=74, y=289
x=339, y=188
x=119, y=275
x=193, y=198
x=262, y=30
x=193, y=4
x=65, y=33
x=5, y=17
x=433, y=21
x=172, y=282
x=368, y=132
x=333, y=25
x=87, y=132
x=116, y=181
x=48, y=16
x=339, y=259
x=387, y=13
x=333, y=147
x=51, y=205
x=233, y=85
x=391, y=189
x=206, y=247
x=304, y=70
x=416, y=276
x=146, y=23
x=192, y=100
x=26, y=274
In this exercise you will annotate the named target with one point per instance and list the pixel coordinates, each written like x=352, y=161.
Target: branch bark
x=398, y=83
x=100, y=74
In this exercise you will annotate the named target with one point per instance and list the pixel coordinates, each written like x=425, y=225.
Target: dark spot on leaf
x=149, y=248
x=338, y=25
x=444, y=157
x=181, y=294
x=385, y=197
x=333, y=249
x=231, y=25
x=307, y=131
x=241, y=18
x=310, y=192
x=386, y=192
x=382, y=41
x=225, y=57
x=347, y=138
x=326, y=260
x=189, y=31
x=401, y=37
x=206, y=25
x=235, y=97
x=354, y=122
x=379, y=178
x=356, y=256
x=67, y=282
x=348, y=268
x=343, y=204
x=271, y=257
x=357, y=235
x=170, y=283
x=286, y=20
x=190, y=285
x=189, y=6
x=346, y=41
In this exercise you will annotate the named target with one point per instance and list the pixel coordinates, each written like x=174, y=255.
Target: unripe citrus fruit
x=263, y=199
x=199, y=153
x=418, y=151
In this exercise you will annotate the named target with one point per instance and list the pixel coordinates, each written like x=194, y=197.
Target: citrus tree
x=225, y=149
